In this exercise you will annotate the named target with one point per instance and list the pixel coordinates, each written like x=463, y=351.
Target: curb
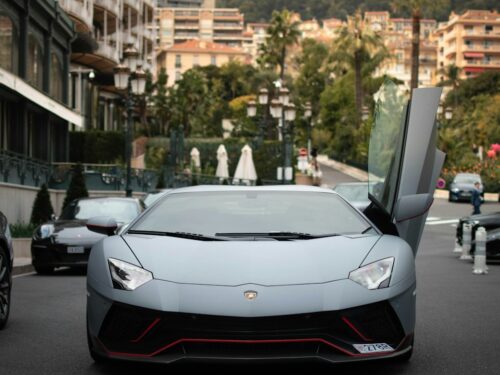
x=22, y=269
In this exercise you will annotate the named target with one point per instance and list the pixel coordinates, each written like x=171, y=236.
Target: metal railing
x=83, y=10
x=107, y=50
x=112, y=5
x=21, y=170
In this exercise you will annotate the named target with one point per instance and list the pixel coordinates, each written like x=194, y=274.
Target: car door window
x=386, y=144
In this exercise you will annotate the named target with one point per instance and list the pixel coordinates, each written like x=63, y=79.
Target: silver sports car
x=273, y=272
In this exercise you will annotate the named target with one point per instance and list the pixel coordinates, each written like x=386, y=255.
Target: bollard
x=480, y=267
x=466, y=242
x=458, y=247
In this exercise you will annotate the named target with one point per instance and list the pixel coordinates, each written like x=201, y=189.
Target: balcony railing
x=107, y=50
x=483, y=62
x=227, y=36
x=111, y=5
x=80, y=10
x=133, y=4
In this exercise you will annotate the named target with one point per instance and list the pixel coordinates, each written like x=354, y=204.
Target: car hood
x=74, y=232
x=490, y=218
x=267, y=263
x=462, y=186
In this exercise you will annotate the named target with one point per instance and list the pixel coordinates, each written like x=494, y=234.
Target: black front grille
x=128, y=329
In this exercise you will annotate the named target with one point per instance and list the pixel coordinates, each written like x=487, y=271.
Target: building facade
x=210, y=4
x=470, y=41
x=221, y=26
x=181, y=57
x=397, y=36
x=35, y=113
x=105, y=28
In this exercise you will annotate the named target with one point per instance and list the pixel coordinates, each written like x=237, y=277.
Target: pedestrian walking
x=476, y=199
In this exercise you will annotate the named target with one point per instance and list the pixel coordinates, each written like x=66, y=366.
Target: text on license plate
x=373, y=348
x=76, y=250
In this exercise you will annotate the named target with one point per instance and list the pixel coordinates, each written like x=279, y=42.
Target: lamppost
x=252, y=111
x=130, y=78
x=308, y=117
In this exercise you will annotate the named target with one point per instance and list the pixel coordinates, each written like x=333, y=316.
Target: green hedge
x=97, y=147
x=267, y=158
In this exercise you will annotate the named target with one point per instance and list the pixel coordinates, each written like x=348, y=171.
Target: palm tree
x=282, y=33
x=452, y=74
x=355, y=46
x=417, y=9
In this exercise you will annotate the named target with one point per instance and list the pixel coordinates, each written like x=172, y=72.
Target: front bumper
x=146, y=335
x=45, y=254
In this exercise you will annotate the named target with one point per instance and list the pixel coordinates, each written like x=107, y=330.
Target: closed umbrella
x=245, y=171
x=195, y=158
x=222, y=168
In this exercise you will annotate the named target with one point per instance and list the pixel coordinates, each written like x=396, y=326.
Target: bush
x=77, y=188
x=42, y=207
x=97, y=147
x=21, y=230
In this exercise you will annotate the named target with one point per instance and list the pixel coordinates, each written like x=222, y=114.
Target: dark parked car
x=6, y=262
x=462, y=186
x=491, y=222
x=66, y=241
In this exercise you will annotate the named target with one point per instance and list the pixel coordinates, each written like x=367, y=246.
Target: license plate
x=76, y=250
x=373, y=348
x=466, y=194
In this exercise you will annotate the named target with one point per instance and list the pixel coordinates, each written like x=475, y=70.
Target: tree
x=452, y=74
x=42, y=207
x=282, y=33
x=417, y=8
x=357, y=44
x=77, y=188
x=161, y=103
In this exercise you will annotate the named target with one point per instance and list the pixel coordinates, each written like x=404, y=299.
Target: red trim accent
x=218, y=341
x=353, y=327
x=149, y=328
x=478, y=55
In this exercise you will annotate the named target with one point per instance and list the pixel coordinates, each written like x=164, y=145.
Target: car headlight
x=126, y=276
x=44, y=231
x=455, y=190
x=374, y=275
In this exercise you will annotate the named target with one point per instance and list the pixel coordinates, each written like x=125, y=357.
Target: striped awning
x=474, y=55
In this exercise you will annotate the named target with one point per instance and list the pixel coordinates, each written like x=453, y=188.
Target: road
x=458, y=320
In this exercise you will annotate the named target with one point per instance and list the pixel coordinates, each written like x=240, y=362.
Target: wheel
x=93, y=354
x=5, y=288
x=44, y=270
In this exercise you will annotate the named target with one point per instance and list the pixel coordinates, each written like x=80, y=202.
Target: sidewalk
x=22, y=265
x=362, y=176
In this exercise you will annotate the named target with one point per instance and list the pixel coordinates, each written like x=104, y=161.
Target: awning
x=22, y=88
x=474, y=70
x=474, y=55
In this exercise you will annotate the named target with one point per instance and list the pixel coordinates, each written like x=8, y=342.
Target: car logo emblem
x=250, y=295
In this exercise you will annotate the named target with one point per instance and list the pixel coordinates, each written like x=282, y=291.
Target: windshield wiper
x=185, y=235
x=281, y=236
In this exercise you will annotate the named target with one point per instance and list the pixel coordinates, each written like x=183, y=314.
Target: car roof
x=125, y=199
x=228, y=188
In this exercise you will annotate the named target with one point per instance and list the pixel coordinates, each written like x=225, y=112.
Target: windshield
x=210, y=213
x=353, y=193
x=153, y=197
x=467, y=179
x=121, y=210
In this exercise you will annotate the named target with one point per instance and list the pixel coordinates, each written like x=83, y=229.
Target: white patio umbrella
x=222, y=168
x=245, y=170
x=195, y=158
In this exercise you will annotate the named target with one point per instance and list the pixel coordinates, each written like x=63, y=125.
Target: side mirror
x=103, y=225
x=412, y=206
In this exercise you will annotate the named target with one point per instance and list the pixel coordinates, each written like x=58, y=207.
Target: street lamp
x=308, y=117
x=276, y=109
x=252, y=109
x=132, y=82
x=448, y=114
x=284, y=96
x=263, y=97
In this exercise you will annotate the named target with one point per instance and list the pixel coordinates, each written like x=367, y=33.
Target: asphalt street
x=458, y=320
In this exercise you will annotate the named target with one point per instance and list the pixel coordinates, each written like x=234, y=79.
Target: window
x=8, y=41
x=488, y=29
x=487, y=44
x=178, y=76
x=213, y=60
x=196, y=60
x=35, y=63
x=178, y=61
x=56, y=78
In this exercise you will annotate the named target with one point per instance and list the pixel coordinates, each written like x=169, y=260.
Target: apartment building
x=181, y=57
x=397, y=35
x=186, y=4
x=105, y=28
x=254, y=37
x=471, y=41
x=221, y=26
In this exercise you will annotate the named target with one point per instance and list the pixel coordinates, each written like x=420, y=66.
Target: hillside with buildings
x=321, y=9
